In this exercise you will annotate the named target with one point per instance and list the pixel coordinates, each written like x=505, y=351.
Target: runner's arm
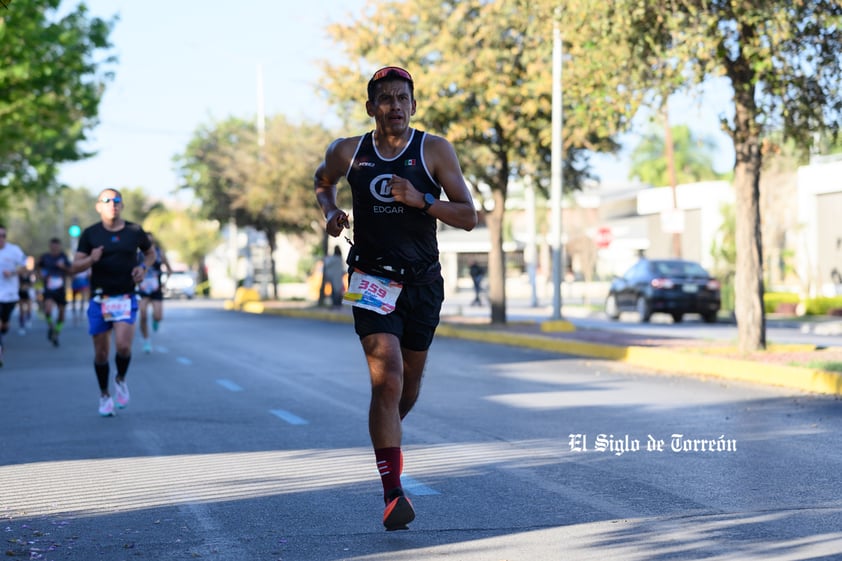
x=330, y=171
x=458, y=210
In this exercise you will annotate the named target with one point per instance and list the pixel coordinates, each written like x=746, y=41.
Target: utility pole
x=261, y=117
x=669, y=154
x=261, y=143
x=556, y=170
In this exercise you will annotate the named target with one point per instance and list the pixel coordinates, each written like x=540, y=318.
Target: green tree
x=484, y=80
x=261, y=182
x=34, y=218
x=724, y=253
x=137, y=204
x=184, y=234
x=693, y=158
x=781, y=60
x=53, y=72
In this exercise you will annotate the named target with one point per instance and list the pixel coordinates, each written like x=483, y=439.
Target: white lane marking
x=415, y=487
x=229, y=385
x=288, y=417
x=184, y=360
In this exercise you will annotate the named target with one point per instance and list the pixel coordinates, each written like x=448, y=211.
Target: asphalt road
x=246, y=439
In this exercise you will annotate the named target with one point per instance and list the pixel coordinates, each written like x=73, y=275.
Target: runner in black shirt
x=53, y=268
x=396, y=174
x=110, y=249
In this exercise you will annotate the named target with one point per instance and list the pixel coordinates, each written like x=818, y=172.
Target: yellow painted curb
x=557, y=326
x=309, y=313
x=253, y=307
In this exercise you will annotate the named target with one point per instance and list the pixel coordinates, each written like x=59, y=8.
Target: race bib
x=372, y=293
x=150, y=284
x=55, y=283
x=116, y=308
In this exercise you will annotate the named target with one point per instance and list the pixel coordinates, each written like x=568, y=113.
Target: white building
x=819, y=237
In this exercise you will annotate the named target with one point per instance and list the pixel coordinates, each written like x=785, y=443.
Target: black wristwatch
x=429, y=199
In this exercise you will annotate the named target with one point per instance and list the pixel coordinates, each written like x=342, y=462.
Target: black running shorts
x=57, y=296
x=414, y=320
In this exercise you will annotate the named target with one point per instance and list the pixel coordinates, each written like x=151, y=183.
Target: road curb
x=668, y=361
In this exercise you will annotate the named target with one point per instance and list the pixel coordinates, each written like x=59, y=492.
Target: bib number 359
x=372, y=293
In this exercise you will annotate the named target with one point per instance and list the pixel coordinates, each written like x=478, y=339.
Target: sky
x=187, y=63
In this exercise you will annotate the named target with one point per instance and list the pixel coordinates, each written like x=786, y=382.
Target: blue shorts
x=98, y=324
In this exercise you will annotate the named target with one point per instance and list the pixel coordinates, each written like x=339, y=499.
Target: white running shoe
x=147, y=346
x=122, y=397
x=106, y=406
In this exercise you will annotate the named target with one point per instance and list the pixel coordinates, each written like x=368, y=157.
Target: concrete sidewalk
x=529, y=326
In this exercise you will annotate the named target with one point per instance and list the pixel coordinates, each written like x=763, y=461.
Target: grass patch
x=827, y=366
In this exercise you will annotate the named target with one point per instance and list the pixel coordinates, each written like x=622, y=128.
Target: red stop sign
x=603, y=237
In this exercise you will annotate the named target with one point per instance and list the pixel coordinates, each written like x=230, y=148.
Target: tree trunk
x=497, y=260
x=748, y=282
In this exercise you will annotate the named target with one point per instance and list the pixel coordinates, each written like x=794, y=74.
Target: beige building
x=819, y=235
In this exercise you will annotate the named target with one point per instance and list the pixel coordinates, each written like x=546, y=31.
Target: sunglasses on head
x=115, y=200
x=391, y=71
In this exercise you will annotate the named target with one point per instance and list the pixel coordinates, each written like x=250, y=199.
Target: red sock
x=389, y=464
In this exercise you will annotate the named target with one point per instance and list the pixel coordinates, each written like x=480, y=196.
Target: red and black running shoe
x=399, y=511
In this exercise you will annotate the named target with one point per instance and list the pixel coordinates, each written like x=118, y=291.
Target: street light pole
x=556, y=170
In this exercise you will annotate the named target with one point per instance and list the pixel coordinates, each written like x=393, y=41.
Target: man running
x=54, y=266
x=26, y=285
x=80, y=286
x=152, y=294
x=109, y=248
x=12, y=265
x=396, y=174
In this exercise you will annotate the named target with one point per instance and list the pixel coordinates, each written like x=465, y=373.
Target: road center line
x=415, y=487
x=229, y=385
x=288, y=417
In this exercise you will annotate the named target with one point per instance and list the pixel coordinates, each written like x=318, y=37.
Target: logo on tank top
x=381, y=191
x=380, y=188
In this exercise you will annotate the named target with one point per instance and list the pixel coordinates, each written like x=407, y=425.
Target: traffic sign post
x=603, y=237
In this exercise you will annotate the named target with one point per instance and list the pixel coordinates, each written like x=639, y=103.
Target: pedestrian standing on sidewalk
x=396, y=174
x=12, y=265
x=109, y=248
x=333, y=270
x=477, y=273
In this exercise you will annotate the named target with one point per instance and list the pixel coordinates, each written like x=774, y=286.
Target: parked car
x=179, y=284
x=671, y=286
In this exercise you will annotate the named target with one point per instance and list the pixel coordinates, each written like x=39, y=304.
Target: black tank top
x=385, y=230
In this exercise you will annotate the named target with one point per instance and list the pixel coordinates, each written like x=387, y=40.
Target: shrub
x=823, y=305
x=773, y=300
